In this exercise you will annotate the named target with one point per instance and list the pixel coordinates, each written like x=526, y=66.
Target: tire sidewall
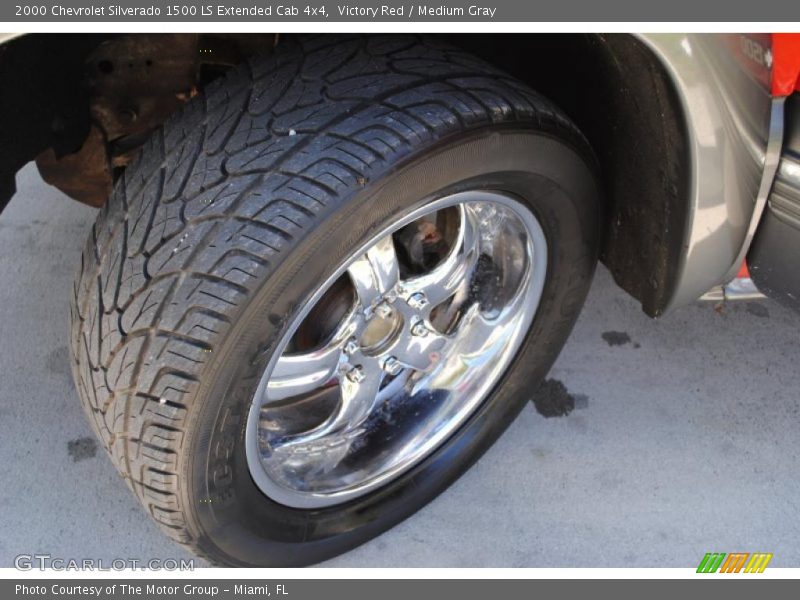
x=231, y=519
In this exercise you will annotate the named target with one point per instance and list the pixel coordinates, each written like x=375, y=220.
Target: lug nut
x=392, y=366
x=383, y=310
x=418, y=301
x=419, y=329
x=356, y=374
x=351, y=347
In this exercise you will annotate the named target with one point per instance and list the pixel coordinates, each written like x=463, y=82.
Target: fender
x=725, y=84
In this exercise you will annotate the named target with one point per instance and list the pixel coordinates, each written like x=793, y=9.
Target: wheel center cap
x=381, y=331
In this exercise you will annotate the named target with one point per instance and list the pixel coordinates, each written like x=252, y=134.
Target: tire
x=245, y=201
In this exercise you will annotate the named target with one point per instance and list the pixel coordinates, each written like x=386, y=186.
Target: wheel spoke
x=442, y=282
x=375, y=272
x=296, y=374
x=357, y=400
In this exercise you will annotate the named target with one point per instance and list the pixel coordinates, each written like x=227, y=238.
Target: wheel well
x=620, y=96
x=612, y=86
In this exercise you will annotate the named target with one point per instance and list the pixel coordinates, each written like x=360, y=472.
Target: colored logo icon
x=736, y=562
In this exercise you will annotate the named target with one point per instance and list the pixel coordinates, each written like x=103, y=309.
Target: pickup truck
x=328, y=271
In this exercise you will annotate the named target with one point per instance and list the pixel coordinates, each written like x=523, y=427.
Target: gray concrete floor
x=684, y=439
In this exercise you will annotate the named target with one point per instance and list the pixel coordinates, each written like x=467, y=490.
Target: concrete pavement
x=683, y=438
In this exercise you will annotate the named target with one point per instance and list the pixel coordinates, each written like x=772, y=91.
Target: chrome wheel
x=396, y=349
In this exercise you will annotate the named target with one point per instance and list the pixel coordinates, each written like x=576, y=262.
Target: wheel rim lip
x=531, y=288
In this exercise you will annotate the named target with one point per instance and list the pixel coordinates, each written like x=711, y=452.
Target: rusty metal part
x=42, y=102
x=84, y=175
x=134, y=84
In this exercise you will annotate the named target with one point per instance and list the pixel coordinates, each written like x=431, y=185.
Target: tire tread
x=221, y=192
